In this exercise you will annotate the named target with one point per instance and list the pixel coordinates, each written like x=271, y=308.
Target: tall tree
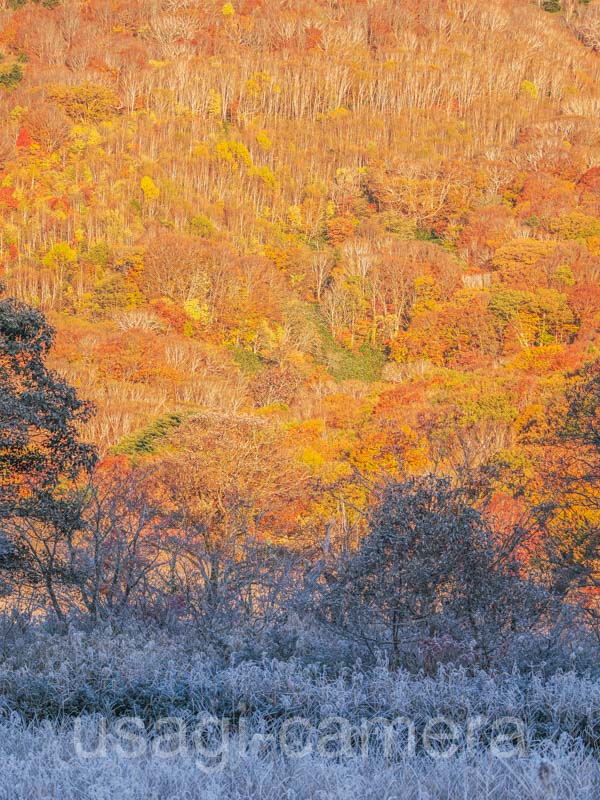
x=40, y=413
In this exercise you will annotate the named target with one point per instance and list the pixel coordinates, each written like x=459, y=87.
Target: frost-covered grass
x=56, y=692
x=39, y=762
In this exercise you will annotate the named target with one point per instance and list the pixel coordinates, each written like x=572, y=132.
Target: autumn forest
x=300, y=332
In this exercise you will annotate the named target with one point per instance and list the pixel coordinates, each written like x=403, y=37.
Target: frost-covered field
x=39, y=762
x=132, y=716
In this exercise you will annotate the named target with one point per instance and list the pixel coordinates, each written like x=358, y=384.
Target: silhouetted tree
x=431, y=574
x=40, y=413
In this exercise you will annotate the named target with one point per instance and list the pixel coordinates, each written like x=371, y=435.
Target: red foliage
x=87, y=192
x=484, y=232
x=591, y=180
x=7, y=197
x=339, y=229
x=24, y=139
x=249, y=6
x=313, y=37
x=584, y=299
x=545, y=197
x=59, y=203
x=169, y=312
x=111, y=465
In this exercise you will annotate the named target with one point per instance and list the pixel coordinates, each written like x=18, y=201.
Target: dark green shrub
x=11, y=78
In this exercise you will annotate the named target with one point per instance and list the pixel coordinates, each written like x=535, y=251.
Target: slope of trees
x=248, y=537
x=291, y=253
x=263, y=204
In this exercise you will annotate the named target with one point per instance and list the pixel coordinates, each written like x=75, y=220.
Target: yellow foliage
x=85, y=101
x=201, y=150
x=267, y=177
x=529, y=89
x=576, y=226
x=241, y=152
x=196, y=311
x=295, y=216
x=427, y=293
x=593, y=244
x=312, y=458
x=339, y=113
x=149, y=188
x=258, y=84
x=17, y=112
x=263, y=140
x=59, y=255
x=521, y=253
x=234, y=153
x=215, y=103
x=223, y=153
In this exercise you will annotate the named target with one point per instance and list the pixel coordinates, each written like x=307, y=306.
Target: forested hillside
x=292, y=248
x=345, y=216
x=300, y=399
x=351, y=238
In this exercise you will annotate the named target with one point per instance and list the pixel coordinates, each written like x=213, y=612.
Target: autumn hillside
x=300, y=399
x=351, y=235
